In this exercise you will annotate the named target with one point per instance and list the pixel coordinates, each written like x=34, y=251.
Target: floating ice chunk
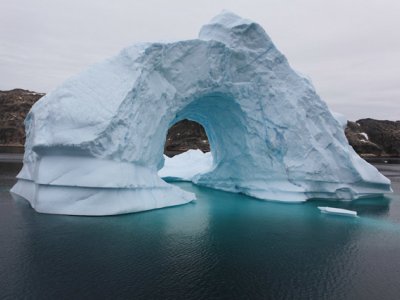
x=185, y=166
x=337, y=211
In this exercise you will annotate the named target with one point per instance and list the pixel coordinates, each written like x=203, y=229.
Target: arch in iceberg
x=95, y=143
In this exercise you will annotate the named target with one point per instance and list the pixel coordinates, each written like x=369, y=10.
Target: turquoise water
x=224, y=246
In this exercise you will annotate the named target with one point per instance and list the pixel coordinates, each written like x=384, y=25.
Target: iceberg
x=95, y=144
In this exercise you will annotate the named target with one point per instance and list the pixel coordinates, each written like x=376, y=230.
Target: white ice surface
x=337, y=211
x=340, y=118
x=185, y=166
x=95, y=144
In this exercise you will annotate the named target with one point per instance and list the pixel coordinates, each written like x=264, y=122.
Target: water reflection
x=225, y=246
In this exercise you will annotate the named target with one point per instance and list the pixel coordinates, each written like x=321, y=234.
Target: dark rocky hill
x=14, y=105
x=186, y=135
x=380, y=137
x=369, y=137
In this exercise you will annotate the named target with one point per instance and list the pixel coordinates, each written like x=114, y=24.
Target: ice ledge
x=65, y=170
x=84, y=201
x=74, y=185
x=194, y=165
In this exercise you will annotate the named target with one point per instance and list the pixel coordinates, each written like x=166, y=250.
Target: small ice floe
x=337, y=211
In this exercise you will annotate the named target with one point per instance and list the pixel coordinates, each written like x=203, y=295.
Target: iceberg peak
x=229, y=19
x=234, y=31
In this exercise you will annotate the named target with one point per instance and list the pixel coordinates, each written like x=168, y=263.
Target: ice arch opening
x=223, y=122
x=186, y=153
x=94, y=145
x=185, y=135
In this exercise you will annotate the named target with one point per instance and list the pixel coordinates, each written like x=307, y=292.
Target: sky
x=349, y=48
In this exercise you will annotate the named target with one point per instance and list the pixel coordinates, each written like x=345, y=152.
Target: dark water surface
x=225, y=246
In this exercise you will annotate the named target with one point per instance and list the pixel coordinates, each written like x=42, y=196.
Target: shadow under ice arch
x=94, y=144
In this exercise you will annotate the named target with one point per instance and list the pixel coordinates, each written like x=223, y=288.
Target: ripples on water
x=224, y=246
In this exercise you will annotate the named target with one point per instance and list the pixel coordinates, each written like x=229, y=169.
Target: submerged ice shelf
x=95, y=144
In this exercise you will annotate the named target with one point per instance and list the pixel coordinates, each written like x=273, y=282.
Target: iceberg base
x=86, y=201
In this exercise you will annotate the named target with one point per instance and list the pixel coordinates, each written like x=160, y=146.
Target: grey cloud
x=350, y=49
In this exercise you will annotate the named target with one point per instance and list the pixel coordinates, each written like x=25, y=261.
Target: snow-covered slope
x=94, y=145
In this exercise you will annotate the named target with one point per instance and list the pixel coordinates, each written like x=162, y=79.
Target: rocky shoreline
x=372, y=139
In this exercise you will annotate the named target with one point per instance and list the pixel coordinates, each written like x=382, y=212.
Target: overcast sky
x=349, y=48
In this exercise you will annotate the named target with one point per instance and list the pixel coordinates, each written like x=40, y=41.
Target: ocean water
x=224, y=246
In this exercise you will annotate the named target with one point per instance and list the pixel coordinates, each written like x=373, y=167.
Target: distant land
x=369, y=138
